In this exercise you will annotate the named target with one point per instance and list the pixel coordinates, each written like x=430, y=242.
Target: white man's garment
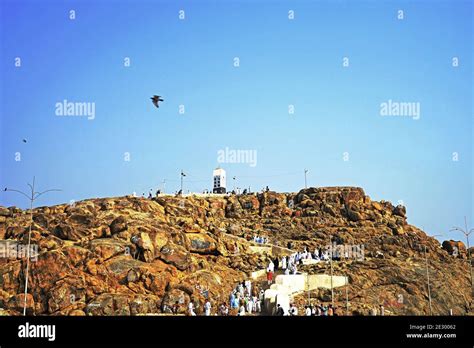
x=207, y=308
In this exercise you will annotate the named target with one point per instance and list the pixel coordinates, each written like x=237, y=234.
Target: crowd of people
x=289, y=264
x=260, y=239
x=246, y=299
x=316, y=310
x=243, y=300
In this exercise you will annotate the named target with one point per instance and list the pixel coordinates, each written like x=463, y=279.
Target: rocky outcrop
x=455, y=248
x=134, y=256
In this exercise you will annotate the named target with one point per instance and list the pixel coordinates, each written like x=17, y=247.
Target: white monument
x=219, y=180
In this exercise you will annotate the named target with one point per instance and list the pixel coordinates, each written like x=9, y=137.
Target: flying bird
x=24, y=140
x=156, y=99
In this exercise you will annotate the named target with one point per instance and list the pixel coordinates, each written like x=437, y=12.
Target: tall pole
x=32, y=197
x=29, y=243
x=182, y=175
x=467, y=233
x=164, y=185
x=347, y=296
x=307, y=289
x=428, y=276
x=469, y=253
x=330, y=261
x=428, y=280
x=305, y=181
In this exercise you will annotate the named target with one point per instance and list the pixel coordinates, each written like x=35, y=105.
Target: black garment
x=280, y=312
x=276, y=262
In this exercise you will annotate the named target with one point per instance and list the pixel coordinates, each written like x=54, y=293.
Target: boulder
x=176, y=256
x=17, y=303
x=201, y=243
x=118, y=225
x=454, y=247
x=109, y=304
x=400, y=210
x=175, y=296
x=5, y=212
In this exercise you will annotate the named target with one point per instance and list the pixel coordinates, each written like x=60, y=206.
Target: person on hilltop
x=232, y=299
x=283, y=262
x=276, y=262
x=223, y=309
x=280, y=312
x=248, y=287
x=191, y=309
x=330, y=310
x=175, y=309
x=249, y=304
x=269, y=276
x=271, y=266
x=207, y=308
x=324, y=310
x=241, y=310
x=293, y=310
x=307, y=311
x=257, y=308
x=236, y=302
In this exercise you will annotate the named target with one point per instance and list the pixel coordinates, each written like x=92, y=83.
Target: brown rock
x=201, y=243
x=175, y=256
x=118, y=225
x=5, y=212
x=454, y=247
x=17, y=303
x=109, y=304
x=377, y=206
x=400, y=210
x=77, y=313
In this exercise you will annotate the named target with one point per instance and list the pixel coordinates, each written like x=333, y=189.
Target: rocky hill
x=133, y=256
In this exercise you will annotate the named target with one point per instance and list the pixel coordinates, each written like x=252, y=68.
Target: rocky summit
x=137, y=256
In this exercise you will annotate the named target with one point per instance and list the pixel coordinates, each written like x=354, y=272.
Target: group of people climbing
x=319, y=254
x=243, y=300
x=316, y=310
x=260, y=239
x=246, y=299
x=287, y=263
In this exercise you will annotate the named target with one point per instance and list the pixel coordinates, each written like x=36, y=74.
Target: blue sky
x=190, y=62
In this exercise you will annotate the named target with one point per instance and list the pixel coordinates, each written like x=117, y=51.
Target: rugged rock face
x=135, y=256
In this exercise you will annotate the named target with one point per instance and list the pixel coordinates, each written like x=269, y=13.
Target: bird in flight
x=24, y=140
x=156, y=99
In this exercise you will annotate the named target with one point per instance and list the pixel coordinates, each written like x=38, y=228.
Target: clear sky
x=337, y=130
